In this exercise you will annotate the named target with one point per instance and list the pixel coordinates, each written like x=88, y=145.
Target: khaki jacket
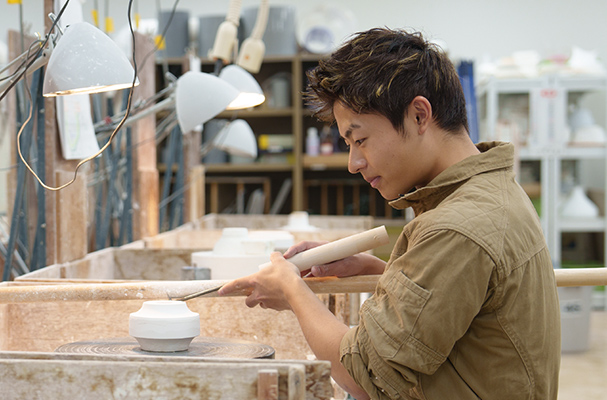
x=467, y=306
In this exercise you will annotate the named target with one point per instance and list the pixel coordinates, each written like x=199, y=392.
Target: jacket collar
x=493, y=156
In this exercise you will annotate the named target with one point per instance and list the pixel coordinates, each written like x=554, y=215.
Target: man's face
x=391, y=162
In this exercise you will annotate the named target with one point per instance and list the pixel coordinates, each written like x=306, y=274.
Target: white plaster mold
x=164, y=326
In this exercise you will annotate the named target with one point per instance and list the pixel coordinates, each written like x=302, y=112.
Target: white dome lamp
x=237, y=138
x=200, y=97
x=86, y=60
x=250, y=95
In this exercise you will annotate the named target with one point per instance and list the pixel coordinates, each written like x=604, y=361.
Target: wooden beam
x=72, y=218
x=267, y=384
x=154, y=290
x=173, y=378
x=196, y=193
x=193, y=174
x=145, y=171
x=66, y=222
x=297, y=381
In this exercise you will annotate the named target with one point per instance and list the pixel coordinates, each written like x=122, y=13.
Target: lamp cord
x=38, y=53
x=163, y=36
x=109, y=142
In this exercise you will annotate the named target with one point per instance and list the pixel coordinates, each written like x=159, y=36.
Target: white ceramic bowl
x=164, y=326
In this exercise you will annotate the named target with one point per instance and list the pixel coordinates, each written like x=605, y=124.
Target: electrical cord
x=31, y=58
x=164, y=32
x=28, y=58
x=29, y=64
x=166, y=124
x=162, y=133
x=109, y=142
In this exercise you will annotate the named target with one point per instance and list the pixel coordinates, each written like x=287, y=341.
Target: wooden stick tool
x=324, y=254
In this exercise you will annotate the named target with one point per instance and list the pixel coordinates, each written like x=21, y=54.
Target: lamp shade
x=238, y=139
x=86, y=60
x=200, y=97
x=250, y=94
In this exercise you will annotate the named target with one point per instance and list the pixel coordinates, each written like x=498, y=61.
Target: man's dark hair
x=381, y=71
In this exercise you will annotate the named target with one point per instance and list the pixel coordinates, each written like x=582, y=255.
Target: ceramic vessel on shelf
x=578, y=204
x=589, y=134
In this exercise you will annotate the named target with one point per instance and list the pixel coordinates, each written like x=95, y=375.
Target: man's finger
x=276, y=256
x=232, y=286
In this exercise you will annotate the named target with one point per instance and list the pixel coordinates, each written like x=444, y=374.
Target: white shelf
x=581, y=224
x=588, y=153
x=548, y=103
x=564, y=153
x=511, y=85
x=579, y=83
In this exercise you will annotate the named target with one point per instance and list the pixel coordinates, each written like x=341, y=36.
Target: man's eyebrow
x=350, y=129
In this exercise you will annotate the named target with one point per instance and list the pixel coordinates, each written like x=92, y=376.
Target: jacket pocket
x=391, y=315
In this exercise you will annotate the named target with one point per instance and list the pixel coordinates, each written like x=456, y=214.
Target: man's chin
x=389, y=196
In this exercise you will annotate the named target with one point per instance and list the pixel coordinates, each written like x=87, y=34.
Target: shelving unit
x=543, y=138
x=324, y=177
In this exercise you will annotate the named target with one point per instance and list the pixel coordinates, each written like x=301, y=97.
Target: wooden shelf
x=266, y=60
x=333, y=161
x=259, y=112
x=294, y=120
x=248, y=167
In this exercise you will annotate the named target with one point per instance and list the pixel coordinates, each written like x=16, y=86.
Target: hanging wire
x=39, y=52
x=109, y=142
x=159, y=137
x=165, y=65
x=30, y=58
x=162, y=131
x=27, y=58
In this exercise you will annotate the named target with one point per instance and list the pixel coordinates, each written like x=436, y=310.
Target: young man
x=466, y=307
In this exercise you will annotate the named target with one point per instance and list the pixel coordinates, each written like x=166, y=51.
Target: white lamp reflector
x=250, y=95
x=200, y=97
x=86, y=60
x=237, y=138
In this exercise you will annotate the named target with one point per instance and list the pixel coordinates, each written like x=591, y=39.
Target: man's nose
x=355, y=161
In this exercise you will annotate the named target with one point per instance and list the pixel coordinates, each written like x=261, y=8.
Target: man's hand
x=280, y=287
x=359, y=264
x=270, y=287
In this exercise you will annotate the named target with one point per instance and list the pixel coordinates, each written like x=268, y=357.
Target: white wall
x=471, y=28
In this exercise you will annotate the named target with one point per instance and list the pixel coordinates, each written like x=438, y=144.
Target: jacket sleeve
x=424, y=302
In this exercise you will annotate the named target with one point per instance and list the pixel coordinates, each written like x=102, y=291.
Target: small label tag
x=109, y=25
x=159, y=42
x=571, y=308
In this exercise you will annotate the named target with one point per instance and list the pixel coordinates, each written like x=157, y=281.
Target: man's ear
x=420, y=110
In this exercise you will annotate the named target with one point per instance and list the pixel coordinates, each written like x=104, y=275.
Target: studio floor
x=584, y=375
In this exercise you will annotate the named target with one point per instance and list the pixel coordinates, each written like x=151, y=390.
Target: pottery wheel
x=200, y=347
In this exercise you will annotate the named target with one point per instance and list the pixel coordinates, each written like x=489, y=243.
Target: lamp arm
x=233, y=15
x=227, y=34
x=40, y=62
x=253, y=49
x=16, y=60
x=261, y=21
x=206, y=148
x=169, y=102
